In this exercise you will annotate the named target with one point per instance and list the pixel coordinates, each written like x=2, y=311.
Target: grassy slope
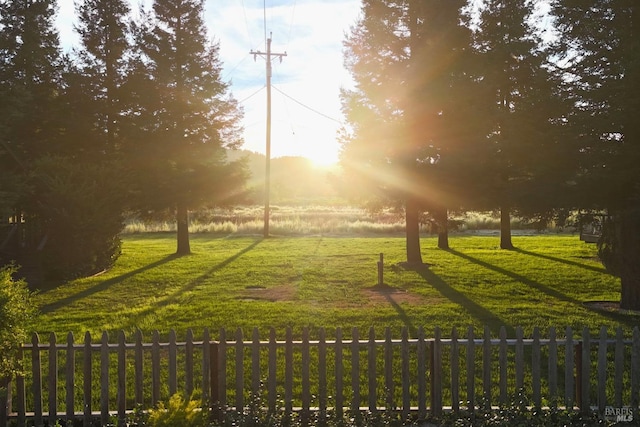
x=322, y=281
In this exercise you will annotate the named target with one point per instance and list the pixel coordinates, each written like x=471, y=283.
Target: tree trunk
x=505, y=229
x=412, y=217
x=630, y=261
x=441, y=217
x=182, y=218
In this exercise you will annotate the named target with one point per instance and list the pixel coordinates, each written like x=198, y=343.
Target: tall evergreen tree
x=29, y=80
x=29, y=84
x=515, y=85
x=186, y=113
x=95, y=88
x=599, y=47
x=407, y=60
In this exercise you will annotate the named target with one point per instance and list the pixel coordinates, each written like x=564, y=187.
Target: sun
x=323, y=155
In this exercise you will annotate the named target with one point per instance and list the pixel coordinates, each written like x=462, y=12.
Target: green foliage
x=79, y=206
x=178, y=412
x=17, y=313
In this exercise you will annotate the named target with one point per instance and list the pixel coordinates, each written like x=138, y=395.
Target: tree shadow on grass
x=536, y=285
x=48, y=308
x=563, y=261
x=401, y=313
x=173, y=297
x=486, y=317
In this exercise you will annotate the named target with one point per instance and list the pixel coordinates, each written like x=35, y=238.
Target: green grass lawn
x=247, y=282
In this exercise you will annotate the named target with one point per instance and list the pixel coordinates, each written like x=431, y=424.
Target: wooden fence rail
x=108, y=379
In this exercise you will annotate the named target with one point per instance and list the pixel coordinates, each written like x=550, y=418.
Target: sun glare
x=323, y=156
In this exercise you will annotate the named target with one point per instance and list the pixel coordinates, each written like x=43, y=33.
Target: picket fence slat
x=619, y=366
x=409, y=374
x=86, y=386
x=37, y=382
x=455, y=363
x=503, y=365
x=104, y=380
x=568, y=369
x=553, y=365
x=535, y=369
x=486, y=367
x=70, y=379
x=471, y=367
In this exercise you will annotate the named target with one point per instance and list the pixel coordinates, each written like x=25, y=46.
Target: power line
x=306, y=106
x=264, y=14
x=251, y=96
x=293, y=13
x=228, y=73
x=246, y=22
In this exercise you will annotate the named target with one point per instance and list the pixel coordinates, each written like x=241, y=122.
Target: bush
x=17, y=313
x=79, y=207
x=178, y=413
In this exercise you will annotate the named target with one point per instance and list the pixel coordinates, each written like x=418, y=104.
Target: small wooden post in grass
x=381, y=270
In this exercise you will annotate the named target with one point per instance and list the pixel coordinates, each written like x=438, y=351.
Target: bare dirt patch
x=273, y=294
x=375, y=295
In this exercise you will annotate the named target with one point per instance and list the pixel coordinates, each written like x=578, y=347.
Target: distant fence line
x=411, y=375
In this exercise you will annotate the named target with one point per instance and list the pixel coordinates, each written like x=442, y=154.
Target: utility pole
x=267, y=179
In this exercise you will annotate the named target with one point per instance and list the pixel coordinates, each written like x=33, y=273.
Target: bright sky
x=306, y=85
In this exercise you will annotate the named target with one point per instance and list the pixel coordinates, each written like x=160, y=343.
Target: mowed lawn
x=328, y=282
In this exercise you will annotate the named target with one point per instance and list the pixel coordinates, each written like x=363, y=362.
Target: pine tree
x=29, y=80
x=599, y=50
x=186, y=115
x=517, y=89
x=96, y=84
x=408, y=60
x=29, y=110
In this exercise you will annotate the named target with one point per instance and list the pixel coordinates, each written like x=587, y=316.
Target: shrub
x=17, y=313
x=178, y=413
x=79, y=207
